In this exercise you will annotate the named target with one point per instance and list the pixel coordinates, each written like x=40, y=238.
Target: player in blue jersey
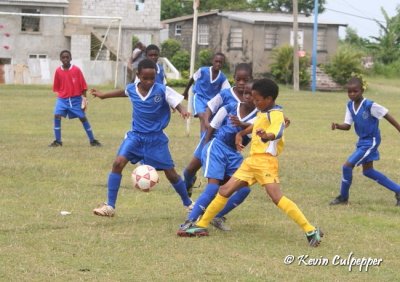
x=220, y=159
x=209, y=81
x=365, y=114
x=153, y=53
x=146, y=142
x=242, y=75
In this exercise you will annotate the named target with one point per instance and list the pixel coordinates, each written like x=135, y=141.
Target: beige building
x=30, y=45
x=251, y=36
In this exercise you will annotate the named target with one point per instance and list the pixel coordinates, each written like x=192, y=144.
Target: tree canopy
x=177, y=8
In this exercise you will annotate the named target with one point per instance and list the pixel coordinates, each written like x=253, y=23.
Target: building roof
x=54, y=3
x=259, y=18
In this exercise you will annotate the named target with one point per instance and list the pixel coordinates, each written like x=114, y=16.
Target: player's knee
x=118, y=165
x=84, y=119
x=57, y=116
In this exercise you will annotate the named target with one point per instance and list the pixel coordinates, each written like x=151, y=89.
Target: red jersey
x=69, y=83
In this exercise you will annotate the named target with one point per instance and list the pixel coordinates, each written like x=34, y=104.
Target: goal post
x=112, y=20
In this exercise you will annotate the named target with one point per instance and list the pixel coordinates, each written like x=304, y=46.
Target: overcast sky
x=359, y=10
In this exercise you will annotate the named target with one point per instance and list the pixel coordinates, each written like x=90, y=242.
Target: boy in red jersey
x=70, y=86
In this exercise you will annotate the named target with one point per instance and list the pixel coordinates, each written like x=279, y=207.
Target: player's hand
x=261, y=133
x=235, y=120
x=84, y=103
x=287, y=122
x=334, y=126
x=96, y=93
x=185, y=114
x=238, y=142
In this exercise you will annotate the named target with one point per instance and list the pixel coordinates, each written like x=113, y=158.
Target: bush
x=205, y=58
x=346, y=61
x=282, y=66
x=181, y=60
x=177, y=82
x=134, y=41
x=391, y=70
x=169, y=48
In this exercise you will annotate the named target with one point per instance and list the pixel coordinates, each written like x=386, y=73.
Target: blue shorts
x=199, y=104
x=150, y=149
x=199, y=149
x=219, y=160
x=69, y=107
x=366, y=151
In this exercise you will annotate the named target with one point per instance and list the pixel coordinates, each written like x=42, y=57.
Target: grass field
x=139, y=244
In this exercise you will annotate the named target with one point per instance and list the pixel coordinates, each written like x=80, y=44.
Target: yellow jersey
x=271, y=121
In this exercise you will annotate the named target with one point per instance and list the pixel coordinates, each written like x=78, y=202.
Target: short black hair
x=266, y=87
x=66, y=51
x=146, y=64
x=355, y=80
x=152, y=47
x=245, y=67
x=219, y=54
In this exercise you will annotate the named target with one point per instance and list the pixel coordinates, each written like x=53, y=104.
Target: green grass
x=139, y=244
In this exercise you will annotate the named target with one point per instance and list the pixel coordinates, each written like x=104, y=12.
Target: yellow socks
x=293, y=211
x=212, y=210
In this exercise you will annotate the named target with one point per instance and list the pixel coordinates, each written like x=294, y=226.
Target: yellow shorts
x=260, y=168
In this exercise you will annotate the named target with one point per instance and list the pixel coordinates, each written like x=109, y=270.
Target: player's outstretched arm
x=182, y=110
x=343, y=126
x=111, y=94
x=239, y=137
x=392, y=121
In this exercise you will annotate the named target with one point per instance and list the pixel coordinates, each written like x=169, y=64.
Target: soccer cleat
x=314, y=237
x=196, y=231
x=183, y=227
x=104, y=210
x=95, y=143
x=339, y=200
x=219, y=222
x=398, y=199
x=56, y=143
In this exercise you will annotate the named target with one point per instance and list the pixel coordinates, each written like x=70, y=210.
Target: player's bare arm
x=265, y=137
x=111, y=94
x=343, y=126
x=182, y=110
x=392, y=121
x=239, y=137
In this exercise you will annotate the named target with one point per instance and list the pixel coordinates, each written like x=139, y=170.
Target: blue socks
x=382, y=179
x=203, y=201
x=88, y=129
x=235, y=200
x=180, y=188
x=57, y=129
x=114, y=181
x=347, y=178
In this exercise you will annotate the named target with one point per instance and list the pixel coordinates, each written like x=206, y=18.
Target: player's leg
x=131, y=149
x=179, y=186
x=313, y=234
x=189, y=174
x=89, y=132
x=347, y=178
x=370, y=172
x=57, y=132
x=113, y=184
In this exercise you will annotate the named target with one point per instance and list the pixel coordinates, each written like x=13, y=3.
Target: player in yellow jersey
x=262, y=165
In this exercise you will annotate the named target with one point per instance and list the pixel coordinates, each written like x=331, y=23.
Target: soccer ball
x=144, y=177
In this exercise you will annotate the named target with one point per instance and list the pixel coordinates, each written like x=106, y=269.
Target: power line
x=353, y=15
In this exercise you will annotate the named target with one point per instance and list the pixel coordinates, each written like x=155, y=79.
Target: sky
x=360, y=9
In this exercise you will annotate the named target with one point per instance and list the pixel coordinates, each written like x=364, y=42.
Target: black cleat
x=339, y=200
x=56, y=144
x=398, y=199
x=95, y=143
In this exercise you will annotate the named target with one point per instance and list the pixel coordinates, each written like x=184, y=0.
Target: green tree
x=286, y=6
x=169, y=48
x=175, y=8
x=387, y=47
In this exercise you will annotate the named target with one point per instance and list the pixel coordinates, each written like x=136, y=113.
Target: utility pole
x=314, y=49
x=196, y=4
x=295, y=47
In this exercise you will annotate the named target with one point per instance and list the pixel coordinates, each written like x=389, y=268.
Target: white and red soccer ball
x=145, y=177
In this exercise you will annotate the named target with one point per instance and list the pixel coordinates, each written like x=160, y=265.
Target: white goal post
x=112, y=20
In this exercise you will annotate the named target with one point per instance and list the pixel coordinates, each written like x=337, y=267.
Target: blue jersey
x=366, y=119
x=151, y=113
x=205, y=86
x=225, y=97
x=226, y=131
x=160, y=74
